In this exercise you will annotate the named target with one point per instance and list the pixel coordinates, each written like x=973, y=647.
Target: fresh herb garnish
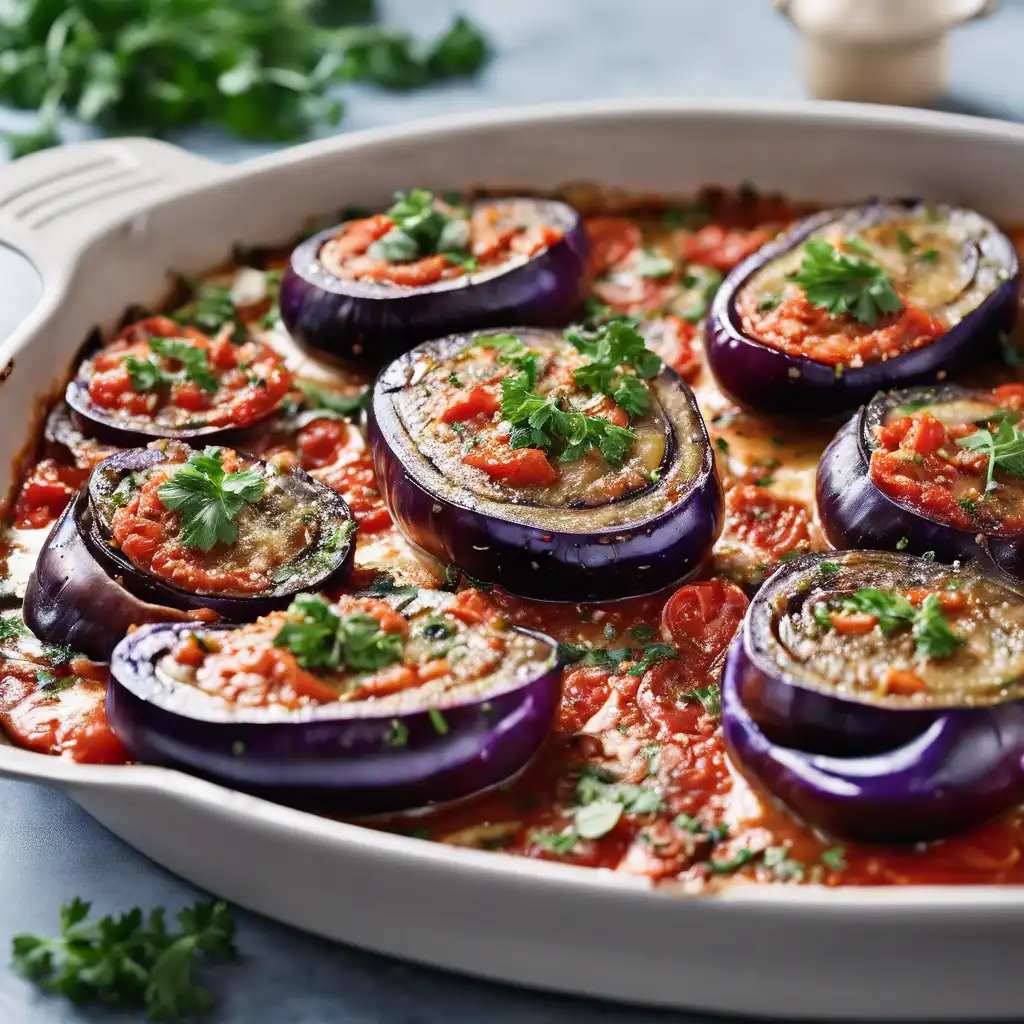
x=843, y=284
x=148, y=375
x=909, y=407
x=323, y=399
x=209, y=499
x=398, y=733
x=538, y=421
x=557, y=842
x=613, y=347
x=11, y=628
x=263, y=71
x=651, y=655
x=933, y=635
x=601, y=801
x=514, y=353
x=210, y=308
x=321, y=639
x=423, y=228
x=768, y=302
x=905, y=242
x=709, y=697
x=739, y=860
x=642, y=633
x=968, y=506
x=828, y=568
x=652, y=265
x=128, y=960
x=1004, y=448
x=834, y=858
x=438, y=721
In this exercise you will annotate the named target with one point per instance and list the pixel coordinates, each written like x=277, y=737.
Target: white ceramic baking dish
x=104, y=221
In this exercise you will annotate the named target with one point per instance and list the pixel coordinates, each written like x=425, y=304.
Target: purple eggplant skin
x=364, y=321
x=78, y=563
x=855, y=514
x=455, y=526
x=102, y=425
x=790, y=714
x=773, y=382
x=330, y=753
x=859, y=770
x=70, y=599
x=960, y=770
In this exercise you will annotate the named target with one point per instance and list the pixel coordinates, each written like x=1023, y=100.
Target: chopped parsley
x=709, y=697
x=321, y=639
x=539, y=421
x=398, y=734
x=148, y=375
x=844, y=284
x=968, y=506
x=438, y=721
x=557, y=842
x=651, y=655
x=611, y=349
x=739, y=860
x=721, y=444
x=209, y=499
x=601, y=801
x=905, y=242
x=768, y=302
x=11, y=628
x=828, y=568
x=933, y=635
x=422, y=228
x=642, y=633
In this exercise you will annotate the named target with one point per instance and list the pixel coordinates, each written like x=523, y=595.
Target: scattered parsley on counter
x=844, y=284
x=261, y=70
x=128, y=960
x=209, y=499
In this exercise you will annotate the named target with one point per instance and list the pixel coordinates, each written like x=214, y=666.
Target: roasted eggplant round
x=930, y=469
x=368, y=704
x=167, y=533
x=852, y=301
x=158, y=379
x=879, y=695
x=562, y=468
x=370, y=289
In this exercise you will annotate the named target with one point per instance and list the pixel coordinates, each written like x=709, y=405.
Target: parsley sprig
x=421, y=229
x=845, y=284
x=613, y=346
x=539, y=421
x=209, y=499
x=1003, y=446
x=149, y=375
x=933, y=635
x=128, y=960
x=321, y=639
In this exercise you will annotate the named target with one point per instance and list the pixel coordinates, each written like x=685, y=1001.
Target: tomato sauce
x=919, y=462
x=685, y=818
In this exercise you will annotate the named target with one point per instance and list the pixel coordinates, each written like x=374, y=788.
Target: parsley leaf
x=653, y=265
x=652, y=654
x=1004, y=447
x=208, y=499
x=845, y=284
x=557, y=842
x=128, y=960
x=932, y=633
x=148, y=375
x=423, y=228
x=321, y=639
x=538, y=421
x=709, y=697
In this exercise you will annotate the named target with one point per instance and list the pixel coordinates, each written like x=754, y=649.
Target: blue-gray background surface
x=545, y=50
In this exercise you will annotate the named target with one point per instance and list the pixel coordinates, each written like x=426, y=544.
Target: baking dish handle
x=54, y=202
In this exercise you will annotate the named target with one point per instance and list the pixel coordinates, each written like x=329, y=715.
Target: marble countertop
x=546, y=50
